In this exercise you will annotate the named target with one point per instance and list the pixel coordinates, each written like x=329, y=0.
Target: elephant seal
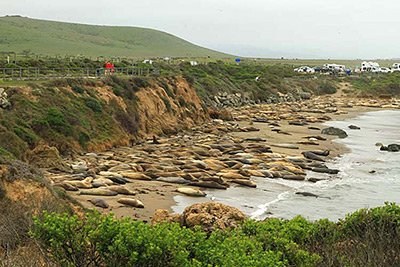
x=311, y=155
x=191, y=192
x=325, y=170
x=98, y=192
x=135, y=175
x=174, y=180
x=131, y=202
x=99, y=202
x=306, y=194
x=209, y=184
x=324, y=153
x=293, y=177
x=248, y=183
x=86, y=183
x=67, y=186
x=121, y=190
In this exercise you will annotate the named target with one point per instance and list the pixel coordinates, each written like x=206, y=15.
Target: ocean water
x=368, y=177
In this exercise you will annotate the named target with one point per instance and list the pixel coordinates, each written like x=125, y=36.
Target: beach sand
x=159, y=195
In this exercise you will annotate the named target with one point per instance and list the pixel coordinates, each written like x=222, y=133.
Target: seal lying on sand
x=324, y=153
x=191, y=192
x=99, y=202
x=86, y=183
x=121, y=190
x=310, y=155
x=131, y=202
x=67, y=186
x=98, y=192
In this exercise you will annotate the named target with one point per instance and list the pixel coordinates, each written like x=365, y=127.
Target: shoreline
x=160, y=195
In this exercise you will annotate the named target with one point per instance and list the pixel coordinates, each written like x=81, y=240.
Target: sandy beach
x=163, y=195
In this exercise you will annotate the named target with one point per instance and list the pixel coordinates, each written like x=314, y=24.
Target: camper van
x=368, y=66
x=334, y=67
x=396, y=67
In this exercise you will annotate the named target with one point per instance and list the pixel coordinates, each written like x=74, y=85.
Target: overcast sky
x=259, y=28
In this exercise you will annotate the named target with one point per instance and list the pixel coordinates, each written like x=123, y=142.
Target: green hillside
x=50, y=38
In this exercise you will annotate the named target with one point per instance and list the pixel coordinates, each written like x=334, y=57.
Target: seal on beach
x=248, y=183
x=325, y=170
x=98, y=192
x=131, y=202
x=191, y=192
x=67, y=186
x=324, y=153
x=99, y=202
x=121, y=190
x=311, y=155
x=86, y=183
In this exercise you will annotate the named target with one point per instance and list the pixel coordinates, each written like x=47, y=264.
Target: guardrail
x=58, y=73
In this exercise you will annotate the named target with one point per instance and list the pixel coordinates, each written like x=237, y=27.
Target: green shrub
x=182, y=101
x=83, y=138
x=166, y=103
x=93, y=104
x=78, y=89
x=57, y=121
x=326, y=88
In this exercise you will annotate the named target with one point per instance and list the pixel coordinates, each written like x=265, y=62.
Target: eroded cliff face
x=161, y=112
x=79, y=116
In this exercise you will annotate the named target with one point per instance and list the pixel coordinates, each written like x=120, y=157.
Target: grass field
x=51, y=38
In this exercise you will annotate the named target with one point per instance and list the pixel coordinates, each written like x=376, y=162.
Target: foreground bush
x=364, y=238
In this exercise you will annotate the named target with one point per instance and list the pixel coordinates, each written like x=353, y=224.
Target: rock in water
x=306, y=194
x=354, y=127
x=131, y=202
x=394, y=147
x=334, y=131
x=191, y=192
x=391, y=148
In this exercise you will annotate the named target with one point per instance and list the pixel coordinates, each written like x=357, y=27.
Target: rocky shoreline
x=268, y=141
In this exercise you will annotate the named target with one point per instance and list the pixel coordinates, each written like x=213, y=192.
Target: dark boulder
x=334, y=131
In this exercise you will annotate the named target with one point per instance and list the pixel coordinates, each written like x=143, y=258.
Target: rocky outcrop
x=391, y=148
x=4, y=103
x=209, y=215
x=44, y=156
x=334, y=131
x=224, y=100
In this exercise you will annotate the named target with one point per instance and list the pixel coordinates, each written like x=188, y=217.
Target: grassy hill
x=50, y=38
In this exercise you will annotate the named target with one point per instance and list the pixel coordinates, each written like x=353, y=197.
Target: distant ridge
x=51, y=37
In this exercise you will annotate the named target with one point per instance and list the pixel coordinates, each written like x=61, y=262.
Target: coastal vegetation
x=22, y=34
x=368, y=237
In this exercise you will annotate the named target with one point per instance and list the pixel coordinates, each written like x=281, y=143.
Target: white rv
x=334, y=67
x=369, y=66
x=396, y=67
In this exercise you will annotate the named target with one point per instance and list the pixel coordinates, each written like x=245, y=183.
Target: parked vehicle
x=396, y=67
x=334, y=67
x=369, y=66
x=385, y=70
x=305, y=69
